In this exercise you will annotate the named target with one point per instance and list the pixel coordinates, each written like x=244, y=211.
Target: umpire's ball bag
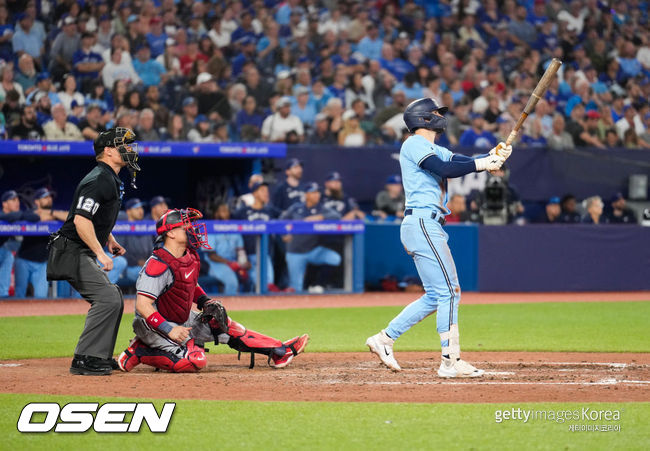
x=63, y=258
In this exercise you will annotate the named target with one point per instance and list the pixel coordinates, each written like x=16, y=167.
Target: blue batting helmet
x=419, y=114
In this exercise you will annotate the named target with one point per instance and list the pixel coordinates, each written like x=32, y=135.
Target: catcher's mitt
x=213, y=309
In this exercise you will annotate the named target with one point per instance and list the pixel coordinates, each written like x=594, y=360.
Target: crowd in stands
x=324, y=72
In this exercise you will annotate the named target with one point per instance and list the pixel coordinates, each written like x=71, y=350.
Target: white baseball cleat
x=458, y=368
x=382, y=345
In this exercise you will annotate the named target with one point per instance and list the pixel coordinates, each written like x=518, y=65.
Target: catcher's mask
x=197, y=235
x=122, y=139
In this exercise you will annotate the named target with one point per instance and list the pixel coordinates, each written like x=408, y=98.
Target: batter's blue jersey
x=423, y=189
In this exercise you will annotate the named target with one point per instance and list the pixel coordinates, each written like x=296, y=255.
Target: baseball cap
x=394, y=180
x=201, y=118
x=348, y=114
x=474, y=115
x=87, y=34
x=257, y=185
x=554, y=200
x=302, y=90
x=283, y=101
x=132, y=18
x=75, y=103
x=189, y=101
x=156, y=200
x=617, y=196
x=283, y=74
x=155, y=19
x=69, y=20
x=593, y=114
x=320, y=117
x=335, y=175
x=311, y=187
x=42, y=76
x=133, y=203
x=8, y=195
x=291, y=162
x=143, y=45
x=203, y=77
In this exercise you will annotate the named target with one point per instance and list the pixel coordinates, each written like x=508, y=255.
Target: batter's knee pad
x=190, y=361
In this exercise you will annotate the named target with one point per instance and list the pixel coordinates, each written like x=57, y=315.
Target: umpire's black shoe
x=87, y=365
x=114, y=365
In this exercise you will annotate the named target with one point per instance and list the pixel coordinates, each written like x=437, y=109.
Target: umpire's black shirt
x=98, y=198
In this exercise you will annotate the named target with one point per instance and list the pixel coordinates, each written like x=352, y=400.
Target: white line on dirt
x=478, y=382
x=541, y=362
x=6, y=365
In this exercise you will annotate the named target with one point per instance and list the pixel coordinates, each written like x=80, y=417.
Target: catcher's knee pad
x=192, y=360
x=244, y=340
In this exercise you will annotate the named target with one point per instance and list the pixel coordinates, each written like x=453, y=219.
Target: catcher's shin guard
x=191, y=361
x=244, y=340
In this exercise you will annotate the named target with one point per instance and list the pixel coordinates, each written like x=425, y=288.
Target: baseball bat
x=537, y=94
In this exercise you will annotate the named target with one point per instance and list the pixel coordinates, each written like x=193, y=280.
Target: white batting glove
x=502, y=150
x=489, y=163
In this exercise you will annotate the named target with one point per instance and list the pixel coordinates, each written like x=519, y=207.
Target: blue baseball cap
x=312, y=187
x=132, y=18
x=554, y=200
x=257, y=185
x=291, y=162
x=42, y=76
x=189, y=101
x=394, y=180
x=474, y=115
x=158, y=200
x=43, y=192
x=333, y=176
x=8, y=195
x=133, y=203
x=201, y=118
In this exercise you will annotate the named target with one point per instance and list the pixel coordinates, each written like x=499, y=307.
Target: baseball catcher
x=169, y=334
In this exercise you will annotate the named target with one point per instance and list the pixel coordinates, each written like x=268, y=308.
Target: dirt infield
x=358, y=377
x=29, y=307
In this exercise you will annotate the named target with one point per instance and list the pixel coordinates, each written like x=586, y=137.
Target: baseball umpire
x=79, y=244
x=425, y=170
x=169, y=334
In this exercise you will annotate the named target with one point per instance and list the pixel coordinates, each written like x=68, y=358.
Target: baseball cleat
x=128, y=359
x=458, y=368
x=86, y=365
x=293, y=347
x=382, y=345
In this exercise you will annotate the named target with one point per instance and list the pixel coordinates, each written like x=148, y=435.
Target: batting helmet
x=419, y=114
x=197, y=235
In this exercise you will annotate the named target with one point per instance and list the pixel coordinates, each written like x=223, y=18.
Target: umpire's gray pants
x=106, y=307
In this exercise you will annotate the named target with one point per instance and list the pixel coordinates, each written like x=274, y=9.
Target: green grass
x=358, y=426
x=597, y=326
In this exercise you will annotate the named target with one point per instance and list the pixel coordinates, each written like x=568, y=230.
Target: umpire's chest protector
x=176, y=302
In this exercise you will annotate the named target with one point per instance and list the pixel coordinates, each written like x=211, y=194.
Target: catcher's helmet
x=419, y=114
x=197, y=236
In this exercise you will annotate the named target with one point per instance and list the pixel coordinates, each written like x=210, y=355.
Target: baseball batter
x=425, y=170
x=169, y=334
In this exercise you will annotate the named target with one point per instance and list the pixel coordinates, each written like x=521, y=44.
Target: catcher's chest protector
x=175, y=303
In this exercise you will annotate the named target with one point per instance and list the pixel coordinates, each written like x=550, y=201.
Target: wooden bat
x=537, y=94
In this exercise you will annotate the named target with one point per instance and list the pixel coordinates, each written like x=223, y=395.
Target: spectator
x=321, y=133
x=221, y=132
x=169, y=60
x=248, y=121
x=278, y=126
x=31, y=259
x=211, y=101
x=632, y=141
x=43, y=108
x=611, y=138
x=92, y=124
x=533, y=137
x=351, y=135
x=389, y=203
x=43, y=85
x=10, y=213
x=290, y=191
x=569, y=212
x=227, y=260
x=191, y=55
x=458, y=209
x=522, y=31
x=320, y=95
x=64, y=47
x=145, y=130
x=645, y=136
x=150, y=71
x=629, y=120
x=117, y=68
x=70, y=93
x=156, y=37
x=77, y=112
x=559, y=138
x=59, y=129
x=219, y=35
x=594, y=207
x=86, y=62
x=6, y=34
x=202, y=131
x=139, y=246
x=618, y=213
x=305, y=249
x=176, y=129
x=26, y=74
x=236, y=96
x=7, y=82
x=104, y=33
x=257, y=87
x=552, y=212
x=160, y=111
x=335, y=199
x=477, y=136
x=28, y=128
x=302, y=109
x=258, y=210
x=159, y=206
x=27, y=39
x=190, y=112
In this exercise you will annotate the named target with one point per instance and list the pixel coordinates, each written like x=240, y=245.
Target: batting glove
x=489, y=163
x=502, y=150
